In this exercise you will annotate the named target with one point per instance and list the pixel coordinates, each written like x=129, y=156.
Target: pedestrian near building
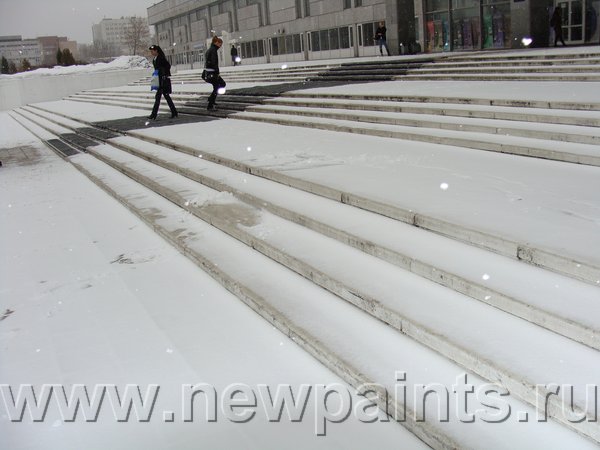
x=234, y=55
x=556, y=24
x=163, y=67
x=211, y=71
x=380, y=37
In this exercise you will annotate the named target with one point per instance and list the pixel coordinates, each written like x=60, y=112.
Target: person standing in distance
x=556, y=24
x=211, y=70
x=381, y=38
x=163, y=67
x=234, y=55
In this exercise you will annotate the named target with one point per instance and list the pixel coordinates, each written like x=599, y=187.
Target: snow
x=534, y=193
x=91, y=294
x=90, y=306
x=118, y=64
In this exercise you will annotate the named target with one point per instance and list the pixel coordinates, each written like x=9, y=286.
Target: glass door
x=573, y=20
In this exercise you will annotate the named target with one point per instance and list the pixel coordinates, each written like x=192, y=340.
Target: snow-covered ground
x=120, y=63
x=90, y=295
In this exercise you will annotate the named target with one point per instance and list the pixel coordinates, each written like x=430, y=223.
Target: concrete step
x=496, y=62
x=226, y=105
x=587, y=154
x=555, y=69
x=370, y=237
x=533, y=54
x=579, y=267
x=530, y=76
x=230, y=263
x=550, y=132
x=414, y=106
x=453, y=100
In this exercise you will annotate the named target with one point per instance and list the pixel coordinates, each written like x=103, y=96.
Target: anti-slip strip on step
x=98, y=133
x=61, y=147
x=78, y=140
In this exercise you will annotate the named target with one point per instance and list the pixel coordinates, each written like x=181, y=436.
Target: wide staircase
x=241, y=74
x=577, y=64
x=394, y=295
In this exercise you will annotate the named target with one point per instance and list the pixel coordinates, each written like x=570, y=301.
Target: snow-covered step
x=501, y=77
x=326, y=326
x=436, y=68
x=419, y=310
x=413, y=306
x=497, y=62
x=560, y=151
x=402, y=245
x=536, y=115
x=137, y=104
x=491, y=229
x=550, y=132
x=452, y=99
x=567, y=311
x=137, y=99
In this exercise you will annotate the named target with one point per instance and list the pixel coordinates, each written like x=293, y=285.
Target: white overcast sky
x=71, y=18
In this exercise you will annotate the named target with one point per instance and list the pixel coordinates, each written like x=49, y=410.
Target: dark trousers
x=217, y=84
x=383, y=43
x=558, y=36
x=160, y=93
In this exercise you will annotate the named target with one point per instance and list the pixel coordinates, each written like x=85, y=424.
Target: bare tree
x=137, y=35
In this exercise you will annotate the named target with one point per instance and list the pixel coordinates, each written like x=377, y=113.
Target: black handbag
x=209, y=76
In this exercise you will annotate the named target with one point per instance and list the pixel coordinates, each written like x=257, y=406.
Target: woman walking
x=163, y=67
x=556, y=24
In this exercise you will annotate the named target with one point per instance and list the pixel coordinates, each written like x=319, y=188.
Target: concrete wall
x=19, y=91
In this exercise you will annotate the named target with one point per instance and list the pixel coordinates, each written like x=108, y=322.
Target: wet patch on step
x=22, y=155
x=233, y=213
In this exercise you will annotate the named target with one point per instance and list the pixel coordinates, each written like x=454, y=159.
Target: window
x=315, y=43
x=334, y=41
x=345, y=37
x=368, y=33
x=297, y=43
x=260, y=48
x=289, y=44
x=324, y=38
x=347, y=4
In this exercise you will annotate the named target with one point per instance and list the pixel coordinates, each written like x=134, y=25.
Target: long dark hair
x=161, y=54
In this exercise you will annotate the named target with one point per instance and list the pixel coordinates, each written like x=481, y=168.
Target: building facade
x=114, y=33
x=287, y=30
x=39, y=52
x=15, y=49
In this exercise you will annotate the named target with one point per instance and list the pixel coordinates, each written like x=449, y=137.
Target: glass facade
x=466, y=25
x=331, y=39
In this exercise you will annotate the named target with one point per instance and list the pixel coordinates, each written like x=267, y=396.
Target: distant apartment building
x=51, y=45
x=39, y=52
x=277, y=30
x=113, y=32
x=15, y=49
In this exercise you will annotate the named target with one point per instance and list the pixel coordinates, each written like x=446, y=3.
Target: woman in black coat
x=211, y=70
x=556, y=23
x=161, y=64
